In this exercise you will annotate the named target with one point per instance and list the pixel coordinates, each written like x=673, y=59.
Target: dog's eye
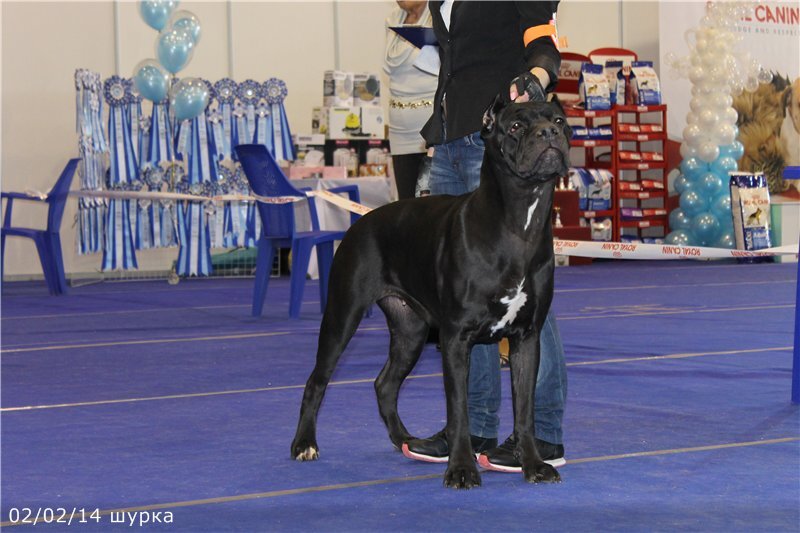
x=516, y=126
x=559, y=121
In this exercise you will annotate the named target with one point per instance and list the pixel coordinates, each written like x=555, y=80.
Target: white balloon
x=751, y=84
x=688, y=151
x=708, y=152
x=729, y=116
x=696, y=74
x=726, y=134
x=692, y=133
x=692, y=118
x=707, y=118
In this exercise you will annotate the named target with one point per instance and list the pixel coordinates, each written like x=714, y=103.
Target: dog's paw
x=305, y=451
x=541, y=473
x=309, y=454
x=462, y=477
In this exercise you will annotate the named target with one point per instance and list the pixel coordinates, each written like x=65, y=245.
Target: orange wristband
x=542, y=30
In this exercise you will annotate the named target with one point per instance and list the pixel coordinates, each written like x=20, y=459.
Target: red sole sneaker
x=483, y=460
x=421, y=457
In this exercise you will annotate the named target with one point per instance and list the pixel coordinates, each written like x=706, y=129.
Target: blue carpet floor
x=152, y=398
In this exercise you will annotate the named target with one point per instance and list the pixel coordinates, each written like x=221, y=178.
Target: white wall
x=44, y=42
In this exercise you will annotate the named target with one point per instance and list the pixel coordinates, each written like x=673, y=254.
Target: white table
x=374, y=192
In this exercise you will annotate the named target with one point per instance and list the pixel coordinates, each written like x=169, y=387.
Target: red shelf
x=642, y=195
x=641, y=108
x=643, y=165
x=590, y=143
x=641, y=137
x=659, y=221
x=582, y=113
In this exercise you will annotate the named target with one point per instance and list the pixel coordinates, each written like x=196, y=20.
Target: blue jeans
x=456, y=169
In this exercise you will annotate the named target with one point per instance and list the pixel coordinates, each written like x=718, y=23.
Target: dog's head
x=531, y=139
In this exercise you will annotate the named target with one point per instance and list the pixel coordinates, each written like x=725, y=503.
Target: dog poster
x=769, y=118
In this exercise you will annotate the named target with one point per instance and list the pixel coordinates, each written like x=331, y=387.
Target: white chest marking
x=514, y=304
x=531, y=209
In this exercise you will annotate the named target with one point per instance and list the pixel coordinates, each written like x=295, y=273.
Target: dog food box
x=602, y=229
x=584, y=133
x=337, y=88
x=644, y=83
x=593, y=88
x=750, y=210
x=366, y=89
x=310, y=149
x=348, y=122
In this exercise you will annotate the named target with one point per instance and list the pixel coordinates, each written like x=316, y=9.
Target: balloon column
x=710, y=149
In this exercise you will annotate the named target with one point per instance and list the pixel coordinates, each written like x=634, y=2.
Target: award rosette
x=275, y=92
x=248, y=93
x=194, y=257
x=225, y=92
x=118, y=249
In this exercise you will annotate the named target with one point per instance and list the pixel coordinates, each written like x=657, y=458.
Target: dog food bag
x=602, y=229
x=644, y=83
x=593, y=87
x=611, y=69
x=750, y=210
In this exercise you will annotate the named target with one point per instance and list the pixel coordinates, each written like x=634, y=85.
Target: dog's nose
x=547, y=132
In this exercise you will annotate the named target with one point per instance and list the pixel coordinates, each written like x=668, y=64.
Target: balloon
x=680, y=237
x=693, y=203
x=682, y=184
x=156, y=13
x=723, y=165
x=710, y=184
x=725, y=133
x=705, y=227
x=186, y=21
x=151, y=80
x=734, y=150
x=174, y=49
x=188, y=98
x=725, y=240
x=721, y=208
x=692, y=168
x=678, y=219
x=708, y=152
x=688, y=151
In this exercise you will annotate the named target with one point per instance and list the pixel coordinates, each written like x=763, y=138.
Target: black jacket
x=480, y=55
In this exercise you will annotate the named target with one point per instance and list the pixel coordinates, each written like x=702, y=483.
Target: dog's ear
x=786, y=101
x=554, y=100
x=490, y=115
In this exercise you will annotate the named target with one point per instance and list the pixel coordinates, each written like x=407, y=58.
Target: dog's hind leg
x=339, y=323
x=408, y=334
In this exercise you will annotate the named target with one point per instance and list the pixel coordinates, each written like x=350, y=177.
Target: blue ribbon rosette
x=118, y=249
x=281, y=146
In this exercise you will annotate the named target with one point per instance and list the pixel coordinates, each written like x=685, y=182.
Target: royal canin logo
x=780, y=14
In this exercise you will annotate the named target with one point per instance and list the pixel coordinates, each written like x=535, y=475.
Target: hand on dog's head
x=531, y=138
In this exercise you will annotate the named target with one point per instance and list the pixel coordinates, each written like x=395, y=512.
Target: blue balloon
x=723, y=165
x=681, y=184
x=693, y=203
x=692, y=168
x=186, y=21
x=725, y=240
x=734, y=150
x=189, y=98
x=151, y=80
x=156, y=13
x=706, y=228
x=174, y=49
x=678, y=219
x=710, y=184
x=721, y=208
x=681, y=237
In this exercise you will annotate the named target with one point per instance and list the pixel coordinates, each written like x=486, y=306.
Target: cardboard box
x=366, y=89
x=362, y=122
x=299, y=172
x=310, y=149
x=337, y=88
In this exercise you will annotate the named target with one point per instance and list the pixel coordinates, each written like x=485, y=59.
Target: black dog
x=477, y=266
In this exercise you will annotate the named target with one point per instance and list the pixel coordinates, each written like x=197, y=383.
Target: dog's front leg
x=524, y=360
x=461, y=470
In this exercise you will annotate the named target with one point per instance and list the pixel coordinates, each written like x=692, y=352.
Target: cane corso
x=478, y=267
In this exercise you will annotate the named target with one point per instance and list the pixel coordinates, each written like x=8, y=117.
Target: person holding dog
x=486, y=48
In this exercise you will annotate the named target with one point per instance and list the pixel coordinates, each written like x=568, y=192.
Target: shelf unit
x=600, y=153
x=639, y=193
x=640, y=186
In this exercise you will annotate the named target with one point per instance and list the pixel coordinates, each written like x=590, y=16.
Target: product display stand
x=640, y=184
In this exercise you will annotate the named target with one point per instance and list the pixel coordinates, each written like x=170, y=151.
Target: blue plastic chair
x=278, y=229
x=48, y=241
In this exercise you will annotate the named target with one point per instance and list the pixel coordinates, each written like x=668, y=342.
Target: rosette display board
x=92, y=148
x=118, y=250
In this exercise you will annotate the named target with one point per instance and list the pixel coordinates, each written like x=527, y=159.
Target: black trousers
x=406, y=170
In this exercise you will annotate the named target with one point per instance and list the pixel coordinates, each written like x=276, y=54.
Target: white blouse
x=411, y=90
